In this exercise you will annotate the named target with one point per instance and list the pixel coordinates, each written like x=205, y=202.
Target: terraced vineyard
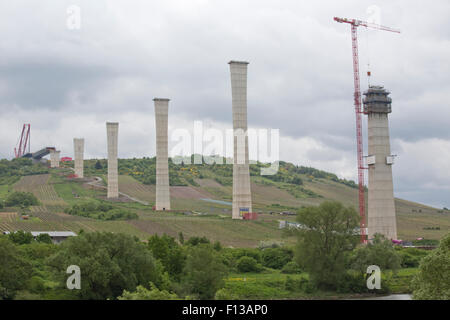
x=193, y=216
x=135, y=189
x=6, y=219
x=38, y=185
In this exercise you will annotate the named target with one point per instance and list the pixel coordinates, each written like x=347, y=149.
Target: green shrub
x=193, y=241
x=44, y=238
x=36, y=285
x=432, y=281
x=248, y=264
x=411, y=257
x=352, y=283
x=143, y=293
x=291, y=268
x=298, y=285
x=225, y=294
x=100, y=211
x=21, y=237
x=276, y=258
x=23, y=199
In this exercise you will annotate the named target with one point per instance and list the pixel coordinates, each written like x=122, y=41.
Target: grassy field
x=276, y=285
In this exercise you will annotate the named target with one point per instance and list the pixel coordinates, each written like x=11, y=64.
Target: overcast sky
x=67, y=82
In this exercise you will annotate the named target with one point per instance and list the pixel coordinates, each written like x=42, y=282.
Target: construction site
x=237, y=195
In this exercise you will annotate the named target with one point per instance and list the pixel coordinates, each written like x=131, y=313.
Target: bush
x=298, y=285
x=23, y=199
x=352, y=283
x=143, y=293
x=204, y=272
x=379, y=252
x=21, y=237
x=110, y=263
x=276, y=258
x=14, y=270
x=248, y=264
x=193, y=241
x=36, y=285
x=432, y=282
x=410, y=257
x=291, y=268
x=44, y=238
x=171, y=255
x=225, y=294
x=101, y=211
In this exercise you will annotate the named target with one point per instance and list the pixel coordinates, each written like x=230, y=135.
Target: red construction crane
x=24, y=142
x=358, y=110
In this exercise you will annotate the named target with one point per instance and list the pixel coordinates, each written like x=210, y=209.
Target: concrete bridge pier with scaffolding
x=112, y=131
x=381, y=206
x=242, y=197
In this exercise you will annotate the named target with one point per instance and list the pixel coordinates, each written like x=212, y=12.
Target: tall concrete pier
x=162, y=157
x=381, y=206
x=112, y=130
x=54, y=158
x=78, y=146
x=242, y=198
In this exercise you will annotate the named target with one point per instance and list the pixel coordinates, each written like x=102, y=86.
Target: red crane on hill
x=358, y=110
x=24, y=142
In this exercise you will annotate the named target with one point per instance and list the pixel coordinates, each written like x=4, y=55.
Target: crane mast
x=24, y=141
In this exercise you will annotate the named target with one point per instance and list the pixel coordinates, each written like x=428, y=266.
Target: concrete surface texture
x=381, y=206
x=54, y=158
x=242, y=198
x=78, y=146
x=112, y=130
x=162, y=161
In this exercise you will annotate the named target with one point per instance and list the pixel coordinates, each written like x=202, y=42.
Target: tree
x=326, y=236
x=21, y=237
x=143, y=293
x=197, y=240
x=276, y=258
x=109, y=263
x=14, y=270
x=379, y=252
x=432, y=282
x=23, y=199
x=98, y=165
x=248, y=264
x=204, y=271
x=171, y=255
x=291, y=268
x=181, y=237
x=44, y=237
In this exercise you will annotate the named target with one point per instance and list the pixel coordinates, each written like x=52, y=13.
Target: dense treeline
x=119, y=266
x=182, y=174
x=19, y=199
x=12, y=170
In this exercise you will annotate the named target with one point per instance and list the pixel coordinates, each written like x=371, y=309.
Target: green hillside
x=201, y=201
